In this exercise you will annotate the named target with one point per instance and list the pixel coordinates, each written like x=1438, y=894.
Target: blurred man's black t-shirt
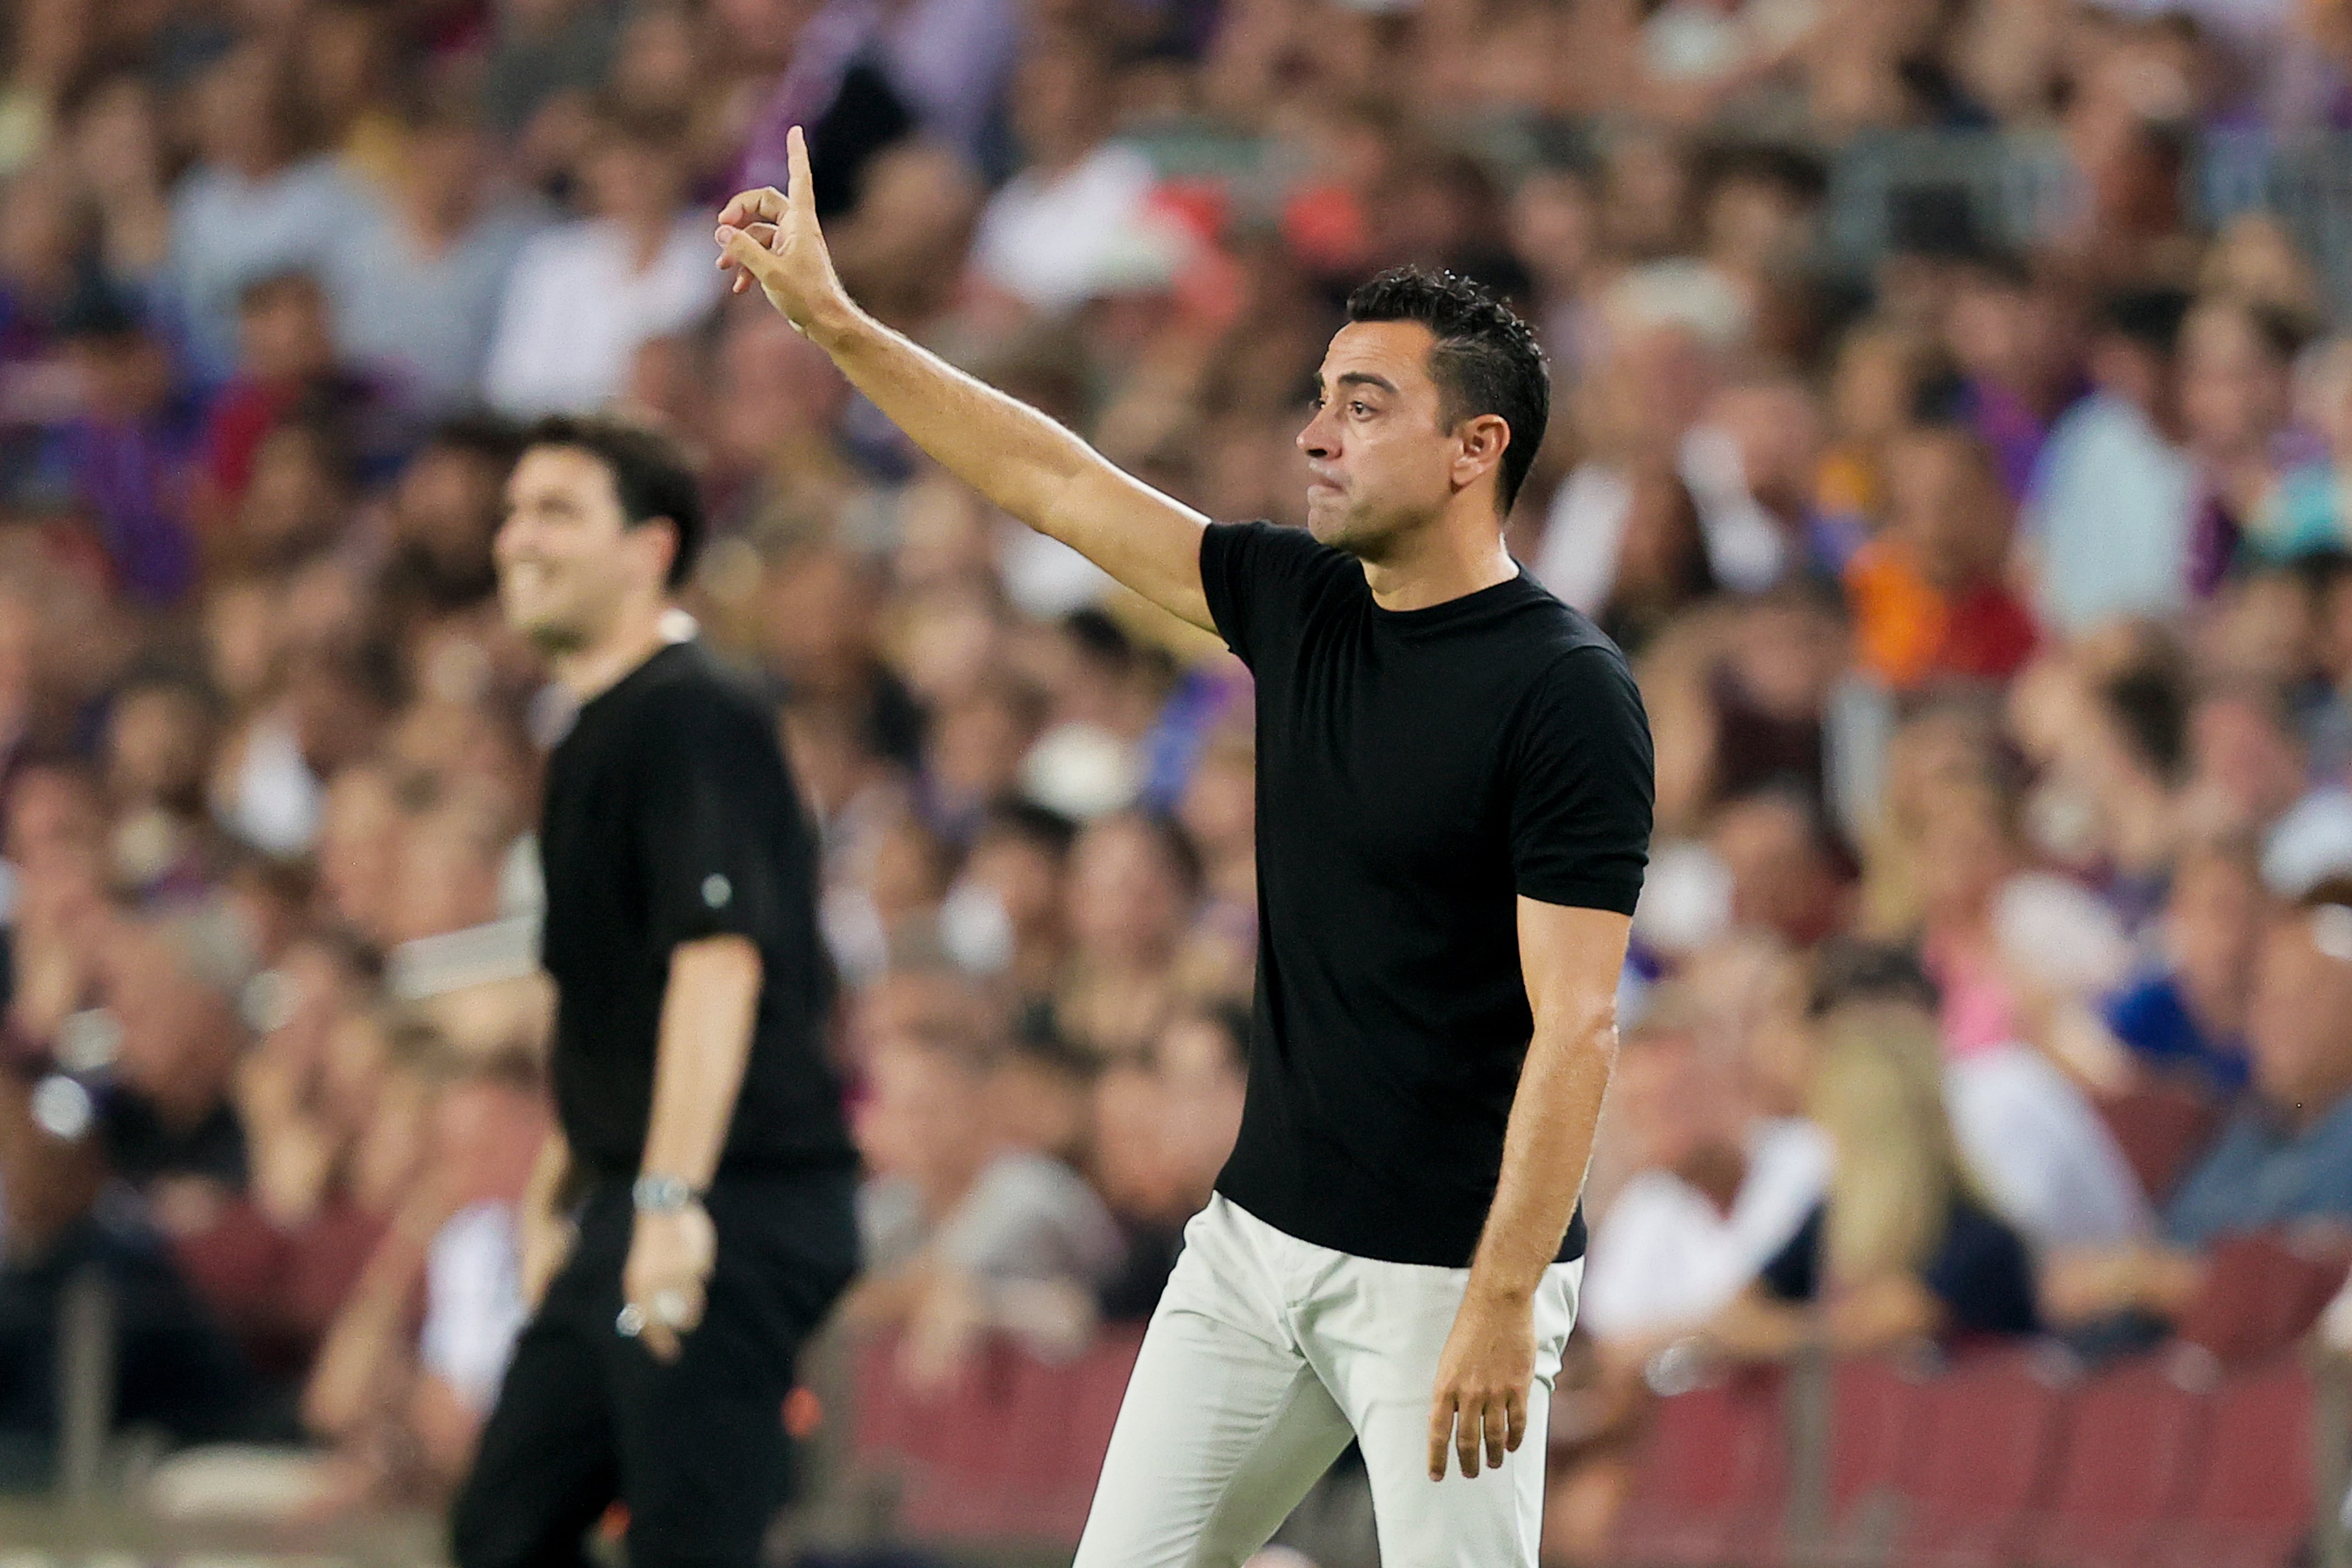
x=669, y=816
x=1417, y=772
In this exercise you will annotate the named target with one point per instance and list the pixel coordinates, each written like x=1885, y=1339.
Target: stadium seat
x=2252, y=1506
x=2259, y=1298
x=1872, y=1411
x=2161, y=1127
x=1982, y=1462
x=2134, y=1438
x=1008, y=1452
x=1707, y=1480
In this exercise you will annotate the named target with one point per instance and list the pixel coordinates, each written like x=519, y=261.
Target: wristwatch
x=662, y=1193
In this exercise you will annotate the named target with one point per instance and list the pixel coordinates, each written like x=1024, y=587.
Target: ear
x=1483, y=439
x=665, y=532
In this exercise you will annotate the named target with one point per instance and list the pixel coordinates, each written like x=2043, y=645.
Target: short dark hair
x=492, y=437
x=1487, y=360
x=651, y=477
x=2148, y=318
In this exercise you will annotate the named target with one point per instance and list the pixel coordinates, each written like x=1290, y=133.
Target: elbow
x=1582, y=1026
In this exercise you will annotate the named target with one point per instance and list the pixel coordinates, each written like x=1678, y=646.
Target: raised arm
x=1570, y=958
x=1010, y=453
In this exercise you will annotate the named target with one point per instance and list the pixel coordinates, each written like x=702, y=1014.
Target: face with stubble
x=1385, y=456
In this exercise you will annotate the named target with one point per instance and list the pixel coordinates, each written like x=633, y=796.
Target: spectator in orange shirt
x=1928, y=595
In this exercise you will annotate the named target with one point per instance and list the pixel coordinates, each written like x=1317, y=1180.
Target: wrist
x=660, y=1192
x=834, y=322
x=1501, y=1294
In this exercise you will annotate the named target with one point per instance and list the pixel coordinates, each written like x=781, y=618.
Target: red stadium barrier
x=2254, y=1505
x=1708, y=1481
x=1009, y=1452
x=2133, y=1440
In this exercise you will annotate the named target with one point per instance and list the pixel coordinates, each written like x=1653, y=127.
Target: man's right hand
x=772, y=237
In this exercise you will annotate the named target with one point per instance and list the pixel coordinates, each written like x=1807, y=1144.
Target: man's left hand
x=1483, y=1378
x=670, y=1257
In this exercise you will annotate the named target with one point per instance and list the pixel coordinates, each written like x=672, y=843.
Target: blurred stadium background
x=1950, y=421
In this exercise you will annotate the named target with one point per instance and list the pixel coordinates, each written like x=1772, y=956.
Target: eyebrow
x=1366, y=379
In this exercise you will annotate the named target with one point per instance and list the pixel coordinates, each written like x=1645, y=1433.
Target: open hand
x=771, y=238
x=1483, y=1377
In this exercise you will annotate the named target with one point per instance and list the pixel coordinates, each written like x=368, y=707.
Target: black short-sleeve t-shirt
x=668, y=817
x=1417, y=772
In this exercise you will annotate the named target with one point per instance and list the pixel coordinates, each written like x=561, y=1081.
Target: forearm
x=1023, y=463
x=366, y=1335
x=1545, y=1147
x=706, y=1037
x=1015, y=456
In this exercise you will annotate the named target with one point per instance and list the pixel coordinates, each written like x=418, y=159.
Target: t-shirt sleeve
x=707, y=821
x=1257, y=577
x=1583, y=789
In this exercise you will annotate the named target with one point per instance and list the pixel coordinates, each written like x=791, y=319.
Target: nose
x=1318, y=440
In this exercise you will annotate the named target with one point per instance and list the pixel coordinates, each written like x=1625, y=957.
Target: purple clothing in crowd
x=2003, y=422
x=947, y=58
x=132, y=477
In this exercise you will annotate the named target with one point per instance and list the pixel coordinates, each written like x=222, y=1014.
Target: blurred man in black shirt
x=701, y=1144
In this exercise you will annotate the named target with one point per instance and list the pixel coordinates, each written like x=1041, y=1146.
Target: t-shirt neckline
x=1447, y=610
x=642, y=665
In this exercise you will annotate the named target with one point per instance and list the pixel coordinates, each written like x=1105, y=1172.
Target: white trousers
x=1266, y=1355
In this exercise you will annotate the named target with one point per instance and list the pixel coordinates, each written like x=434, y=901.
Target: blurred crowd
x=1993, y=608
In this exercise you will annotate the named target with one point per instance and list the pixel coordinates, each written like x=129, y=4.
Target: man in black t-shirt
x=694, y=1218
x=1453, y=803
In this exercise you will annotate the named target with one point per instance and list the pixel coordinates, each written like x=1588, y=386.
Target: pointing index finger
x=803, y=196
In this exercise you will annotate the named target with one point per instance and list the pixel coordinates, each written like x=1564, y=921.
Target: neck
x=637, y=636
x=1458, y=554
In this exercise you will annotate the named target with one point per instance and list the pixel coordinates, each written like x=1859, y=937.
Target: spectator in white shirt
x=1719, y=1189
x=585, y=296
x=1052, y=236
